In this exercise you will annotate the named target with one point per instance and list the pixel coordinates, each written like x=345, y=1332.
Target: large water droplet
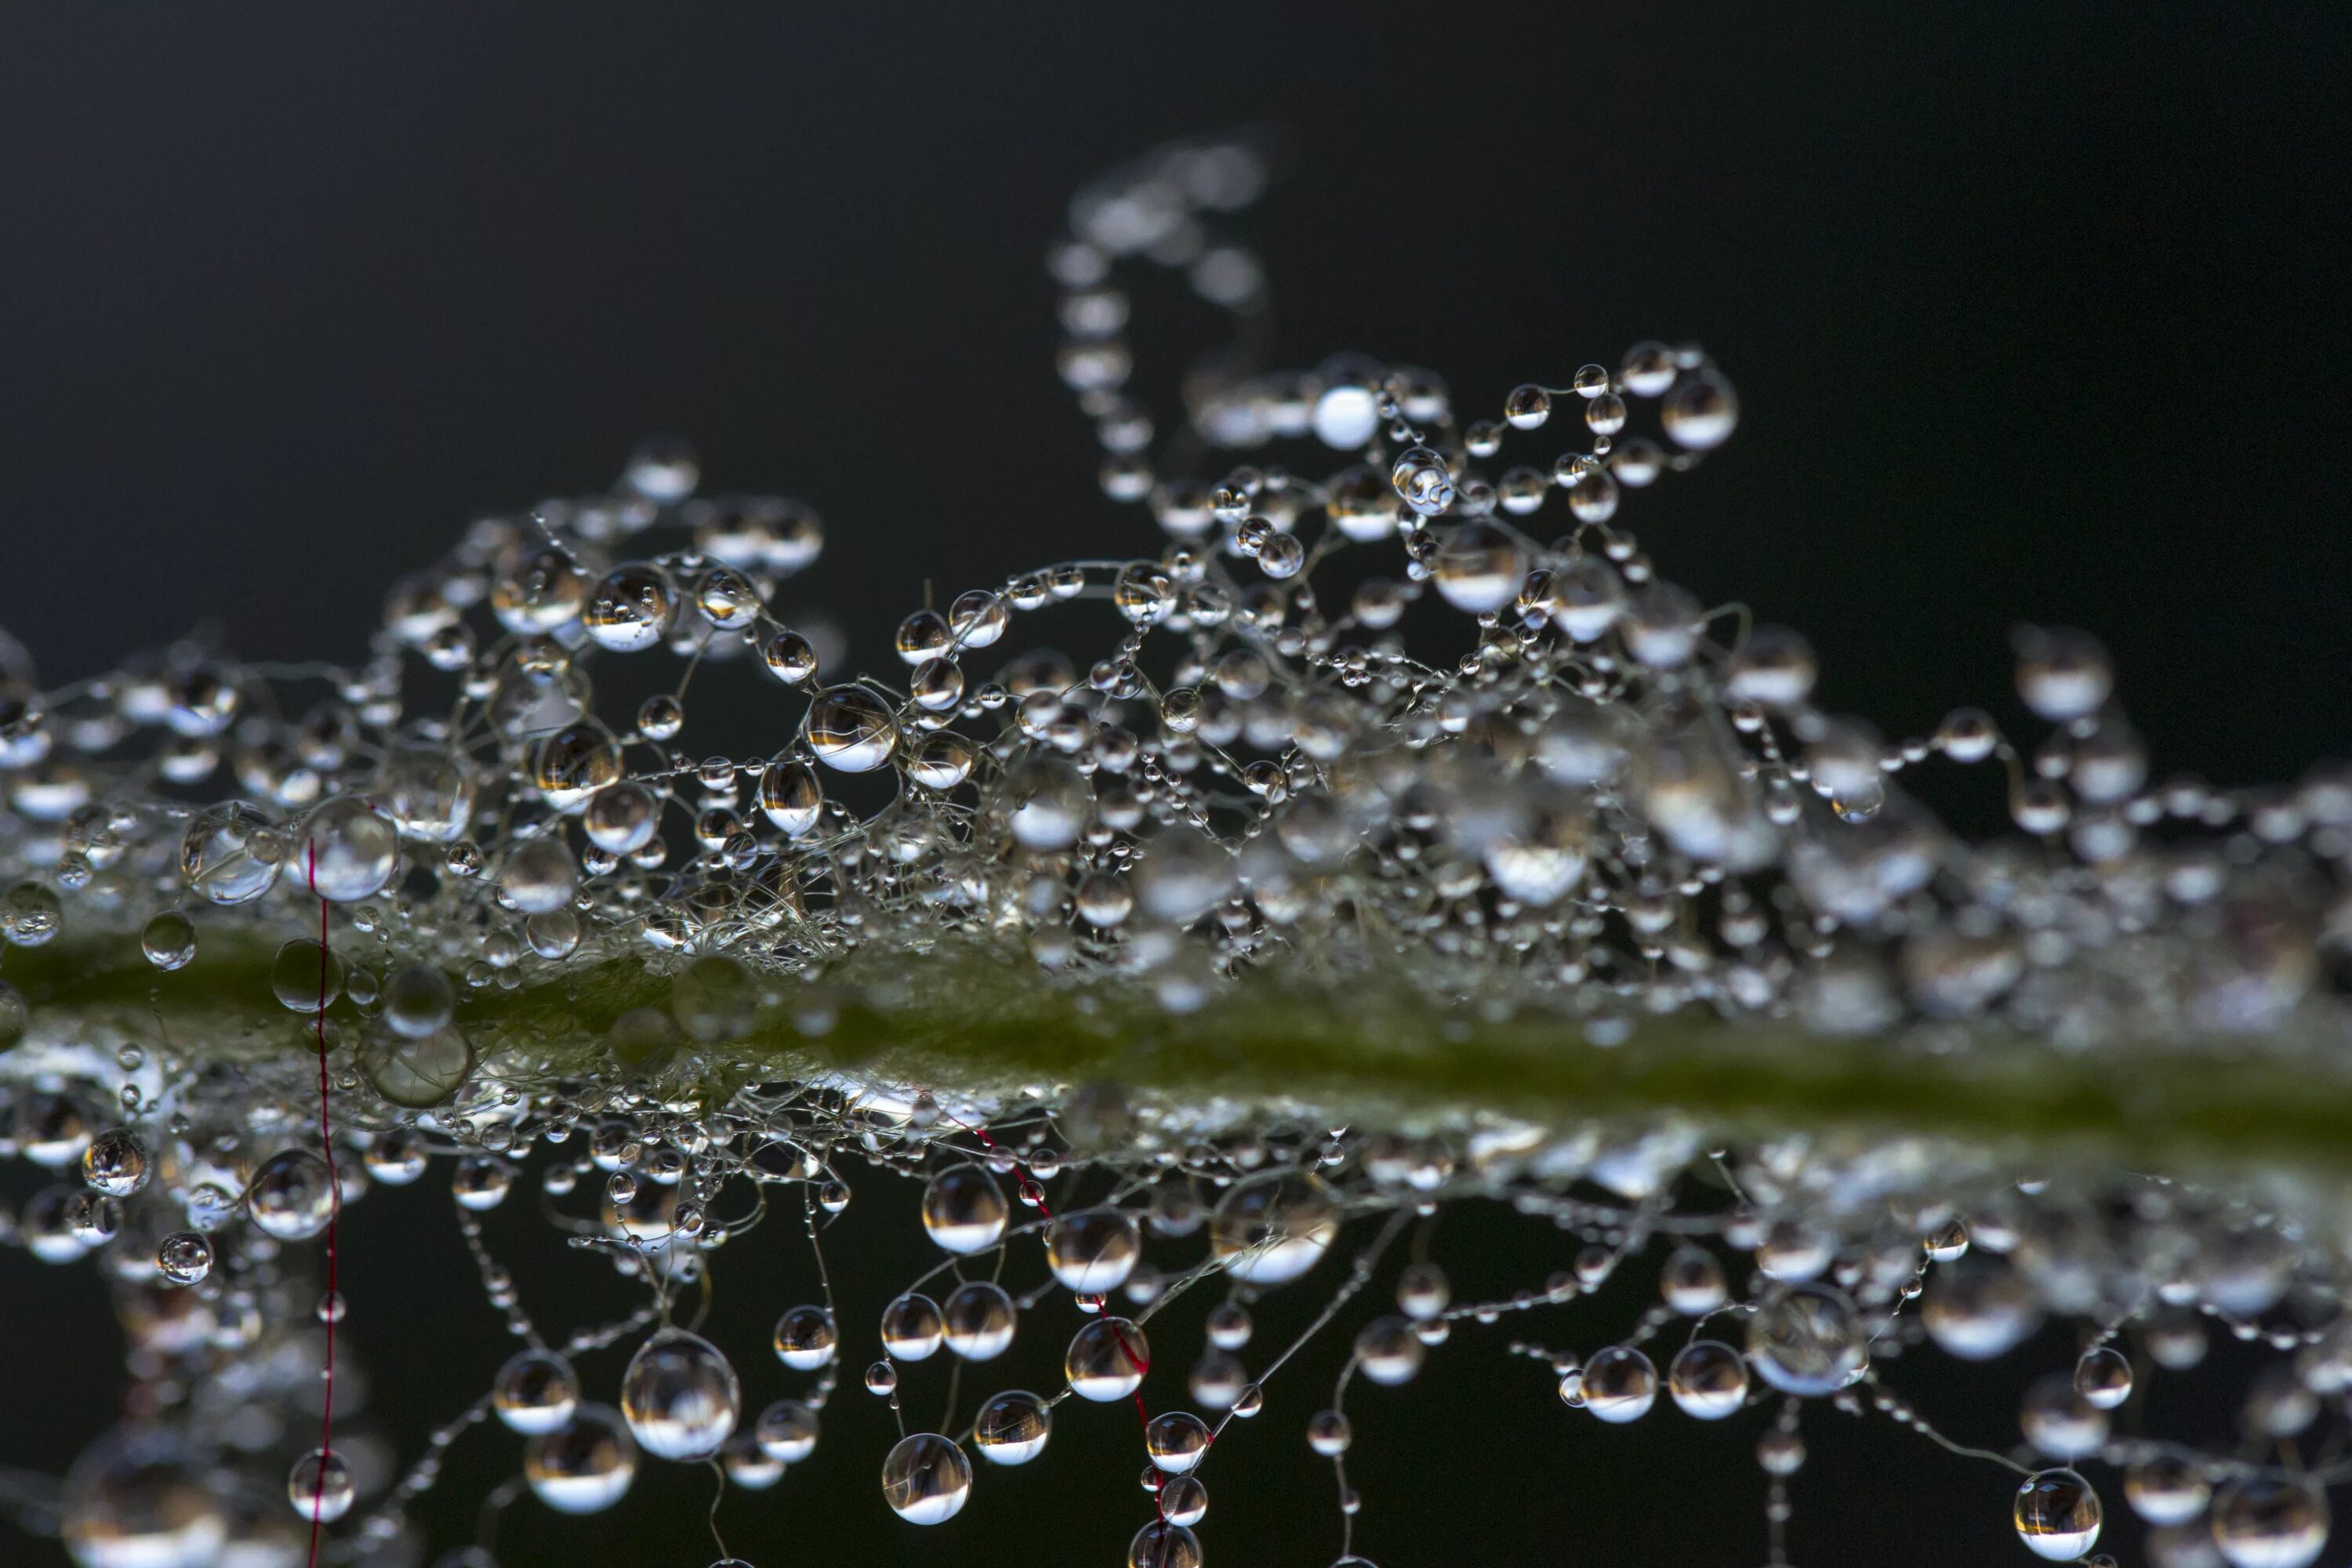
x=679, y=1396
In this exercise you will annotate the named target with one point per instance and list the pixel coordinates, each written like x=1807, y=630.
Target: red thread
x=335, y=1188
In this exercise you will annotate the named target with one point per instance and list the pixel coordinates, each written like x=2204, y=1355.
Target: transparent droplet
x=1176, y=1440
x=1094, y=1250
x=116, y=1163
x=2060, y=1422
x=1229, y=1325
x=1387, y=1352
x=1477, y=567
x=218, y=859
x=586, y=1465
x=1107, y=1358
x=964, y=1210
x=539, y=876
x=1701, y=411
x=787, y=1431
x=926, y=1478
x=321, y=1486
x=535, y=1392
x=2104, y=1377
x=347, y=850
x=1979, y=1311
x=621, y=817
x=411, y=1070
x=293, y=1195
x=169, y=940
x=1692, y=1281
x=1163, y=1544
x=1184, y=1500
x=306, y=977
x=2057, y=1515
x=847, y=728
x=630, y=609
x=2165, y=1489
x=2270, y=1520
x=912, y=1327
x=481, y=1182
x=185, y=1257
x=1274, y=1228
x=1012, y=1428
x=805, y=1338
x=979, y=1319
x=1708, y=1380
x=680, y=1397
x=142, y=1496
x=1807, y=1339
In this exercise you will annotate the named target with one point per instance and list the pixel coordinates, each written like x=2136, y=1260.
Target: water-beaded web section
x=1400, y=841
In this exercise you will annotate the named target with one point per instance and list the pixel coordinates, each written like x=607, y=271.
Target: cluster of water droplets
x=1588, y=798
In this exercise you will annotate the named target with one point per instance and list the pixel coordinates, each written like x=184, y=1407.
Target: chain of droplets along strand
x=1596, y=799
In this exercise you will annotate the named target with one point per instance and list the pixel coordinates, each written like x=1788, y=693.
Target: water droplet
x=2165, y=1489
x=1176, y=1440
x=2057, y=1515
x=926, y=1479
x=115, y=1163
x=1387, y=1351
x=1273, y=1229
x=348, y=850
x=1806, y=1340
x=218, y=855
x=1708, y=1380
x=1477, y=567
x=321, y=1486
x=1163, y=1544
x=2060, y=1422
x=169, y=940
x=847, y=728
x=2104, y=1377
x=584, y=1466
x=1012, y=1428
x=964, y=1210
x=292, y=1196
x=979, y=1319
x=787, y=1431
x=1094, y=1250
x=911, y=1328
x=1106, y=1359
x=306, y=977
x=2270, y=1520
x=805, y=1338
x=679, y=1396
x=1701, y=411
x=535, y=1392
x=185, y=1257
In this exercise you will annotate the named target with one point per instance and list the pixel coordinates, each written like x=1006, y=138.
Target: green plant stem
x=967, y=1018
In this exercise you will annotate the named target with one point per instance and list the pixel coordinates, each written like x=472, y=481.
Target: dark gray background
x=2033, y=310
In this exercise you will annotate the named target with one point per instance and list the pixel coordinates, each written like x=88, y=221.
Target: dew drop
x=978, y=1320
x=680, y=1397
x=2057, y=1515
x=1107, y=1358
x=1012, y=1428
x=292, y=1196
x=321, y=1486
x=964, y=1210
x=168, y=941
x=535, y=1392
x=584, y=1466
x=926, y=1479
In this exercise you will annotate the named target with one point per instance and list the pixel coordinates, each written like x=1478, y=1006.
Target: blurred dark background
x=2033, y=311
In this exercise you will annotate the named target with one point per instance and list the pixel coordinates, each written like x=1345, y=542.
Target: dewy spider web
x=1259, y=923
